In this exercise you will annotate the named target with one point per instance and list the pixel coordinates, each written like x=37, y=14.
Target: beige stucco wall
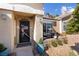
x=7, y=30
x=38, y=28
x=57, y=27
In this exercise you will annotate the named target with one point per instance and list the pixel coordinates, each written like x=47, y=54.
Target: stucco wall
x=57, y=27
x=6, y=30
x=38, y=28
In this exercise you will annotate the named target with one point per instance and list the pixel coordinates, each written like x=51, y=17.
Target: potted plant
x=3, y=50
x=40, y=46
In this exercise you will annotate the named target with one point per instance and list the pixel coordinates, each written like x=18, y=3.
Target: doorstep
x=24, y=51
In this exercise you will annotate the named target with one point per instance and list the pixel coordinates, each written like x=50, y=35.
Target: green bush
x=54, y=43
x=73, y=24
x=41, y=41
x=2, y=47
x=59, y=42
x=65, y=41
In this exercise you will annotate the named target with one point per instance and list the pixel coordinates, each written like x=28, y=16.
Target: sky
x=58, y=8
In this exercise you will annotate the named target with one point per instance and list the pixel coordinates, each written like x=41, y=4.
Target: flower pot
x=40, y=48
x=4, y=53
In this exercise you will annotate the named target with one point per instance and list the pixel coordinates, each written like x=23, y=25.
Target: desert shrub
x=65, y=41
x=59, y=42
x=54, y=43
x=2, y=47
x=41, y=41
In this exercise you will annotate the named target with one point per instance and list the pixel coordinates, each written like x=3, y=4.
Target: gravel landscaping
x=61, y=50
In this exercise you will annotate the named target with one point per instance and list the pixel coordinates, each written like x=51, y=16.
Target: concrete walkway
x=24, y=51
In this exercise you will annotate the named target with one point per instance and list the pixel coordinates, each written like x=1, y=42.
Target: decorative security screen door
x=24, y=31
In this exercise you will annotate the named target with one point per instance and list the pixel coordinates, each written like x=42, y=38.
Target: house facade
x=61, y=22
x=26, y=24
x=20, y=23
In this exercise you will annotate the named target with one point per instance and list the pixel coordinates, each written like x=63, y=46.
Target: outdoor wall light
x=3, y=16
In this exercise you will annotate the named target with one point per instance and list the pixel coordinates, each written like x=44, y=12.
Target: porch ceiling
x=24, y=14
x=19, y=13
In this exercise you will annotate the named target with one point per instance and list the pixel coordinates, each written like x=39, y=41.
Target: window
x=64, y=26
x=47, y=29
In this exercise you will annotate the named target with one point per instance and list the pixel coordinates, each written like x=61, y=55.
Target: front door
x=24, y=32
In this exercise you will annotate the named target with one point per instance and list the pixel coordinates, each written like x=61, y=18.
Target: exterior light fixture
x=3, y=16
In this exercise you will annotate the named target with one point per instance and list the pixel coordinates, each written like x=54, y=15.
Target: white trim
x=63, y=25
x=60, y=26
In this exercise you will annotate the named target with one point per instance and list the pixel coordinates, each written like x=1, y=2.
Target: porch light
x=3, y=16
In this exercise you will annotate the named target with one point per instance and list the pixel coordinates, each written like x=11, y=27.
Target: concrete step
x=24, y=51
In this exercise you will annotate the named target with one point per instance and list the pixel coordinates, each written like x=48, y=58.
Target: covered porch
x=20, y=25
x=24, y=27
x=31, y=27
x=10, y=32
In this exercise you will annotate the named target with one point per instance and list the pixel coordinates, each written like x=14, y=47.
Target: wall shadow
x=76, y=47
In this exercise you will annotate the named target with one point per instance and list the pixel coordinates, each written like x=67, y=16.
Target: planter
x=40, y=48
x=4, y=53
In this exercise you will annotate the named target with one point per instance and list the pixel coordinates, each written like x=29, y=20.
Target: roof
x=63, y=16
x=50, y=17
x=21, y=8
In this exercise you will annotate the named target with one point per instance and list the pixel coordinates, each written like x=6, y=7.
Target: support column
x=7, y=30
x=60, y=26
x=13, y=32
x=38, y=28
